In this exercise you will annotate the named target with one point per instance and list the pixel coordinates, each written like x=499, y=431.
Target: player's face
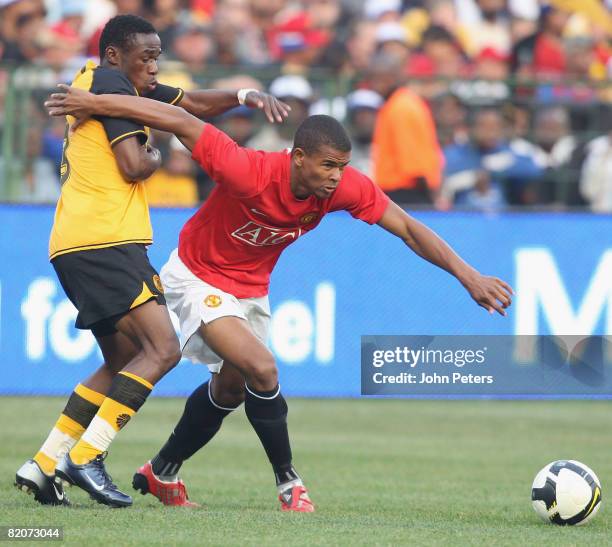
x=139, y=62
x=321, y=171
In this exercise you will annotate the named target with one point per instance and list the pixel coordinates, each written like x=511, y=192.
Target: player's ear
x=112, y=55
x=298, y=156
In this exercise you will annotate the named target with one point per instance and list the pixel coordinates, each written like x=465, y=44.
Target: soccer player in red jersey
x=217, y=280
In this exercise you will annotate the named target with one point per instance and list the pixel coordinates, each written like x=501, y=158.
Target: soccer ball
x=566, y=492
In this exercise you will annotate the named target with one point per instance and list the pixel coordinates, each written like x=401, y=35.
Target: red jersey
x=234, y=240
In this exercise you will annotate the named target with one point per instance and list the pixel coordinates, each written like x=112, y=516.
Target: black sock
x=200, y=421
x=267, y=412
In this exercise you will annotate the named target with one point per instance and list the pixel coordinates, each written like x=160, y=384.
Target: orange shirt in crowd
x=405, y=146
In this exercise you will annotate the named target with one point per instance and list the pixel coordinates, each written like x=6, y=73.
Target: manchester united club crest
x=158, y=284
x=308, y=218
x=213, y=301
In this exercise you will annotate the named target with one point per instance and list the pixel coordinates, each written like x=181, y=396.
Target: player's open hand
x=491, y=293
x=71, y=102
x=275, y=110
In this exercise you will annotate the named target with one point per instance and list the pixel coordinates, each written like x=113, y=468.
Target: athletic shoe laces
x=98, y=464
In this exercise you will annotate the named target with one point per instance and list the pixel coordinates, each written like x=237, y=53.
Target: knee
x=167, y=355
x=263, y=374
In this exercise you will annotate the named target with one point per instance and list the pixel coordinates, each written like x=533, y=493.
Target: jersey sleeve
x=241, y=171
x=166, y=94
x=360, y=196
x=115, y=82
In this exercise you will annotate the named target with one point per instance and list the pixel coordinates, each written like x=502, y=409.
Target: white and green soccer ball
x=566, y=492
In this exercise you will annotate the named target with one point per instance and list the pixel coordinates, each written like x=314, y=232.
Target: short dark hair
x=437, y=33
x=478, y=113
x=320, y=130
x=120, y=30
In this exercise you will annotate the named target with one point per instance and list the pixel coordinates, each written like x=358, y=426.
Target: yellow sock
x=77, y=415
x=127, y=394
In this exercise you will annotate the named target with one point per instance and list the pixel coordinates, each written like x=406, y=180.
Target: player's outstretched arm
x=207, y=103
x=82, y=104
x=491, y=293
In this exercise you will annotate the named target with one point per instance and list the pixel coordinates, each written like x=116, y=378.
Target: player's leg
x=204, y=412
x=38, y=474
x=207, y=314
x=149, y=326
x=117, y=350
x=265, y=407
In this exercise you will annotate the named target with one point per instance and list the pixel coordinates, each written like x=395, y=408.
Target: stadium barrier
x=343, y=280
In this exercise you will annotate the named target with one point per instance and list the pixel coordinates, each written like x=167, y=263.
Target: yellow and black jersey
x=97, y=207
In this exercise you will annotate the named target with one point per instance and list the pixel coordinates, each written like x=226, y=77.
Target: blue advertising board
x=341, y=281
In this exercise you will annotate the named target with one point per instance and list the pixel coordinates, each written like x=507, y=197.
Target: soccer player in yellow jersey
x=98, y=248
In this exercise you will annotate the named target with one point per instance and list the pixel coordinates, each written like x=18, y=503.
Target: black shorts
x=105, y=284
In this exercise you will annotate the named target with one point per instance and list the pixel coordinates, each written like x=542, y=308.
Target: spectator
x=492, y=29
x=257, y=37
x=298, y=94
x=164, y=16
x=12, y=10
x=407, y=157
x=487, y=85
x=62, y=46
x=552, y=150
x=596, y=176
x=239, y=124
x=443, y=13
x=542, y=55
x=70, y=27
x=193, y=45
x=25, y=46
x=391, y=40
x=32, y=178
x=362, y=108
x=300, y=41
x=577, y=88
x=442, y=52
x=226, y=37
x=451, y=119
x=491, y=65
x=486, y=173
x=234, y=13
x=361, y=45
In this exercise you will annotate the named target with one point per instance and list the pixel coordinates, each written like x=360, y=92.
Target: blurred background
x=504, y=103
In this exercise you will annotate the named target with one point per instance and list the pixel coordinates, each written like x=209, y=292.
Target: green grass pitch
x=380, y=472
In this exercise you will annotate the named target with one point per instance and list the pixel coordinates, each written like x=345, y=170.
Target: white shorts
x=194, y=302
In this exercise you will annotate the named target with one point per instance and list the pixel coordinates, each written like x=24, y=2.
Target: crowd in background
x=450, y=103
